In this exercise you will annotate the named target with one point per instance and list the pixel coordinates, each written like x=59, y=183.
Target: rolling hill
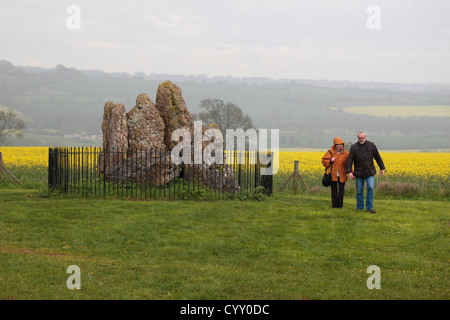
x=61, y=102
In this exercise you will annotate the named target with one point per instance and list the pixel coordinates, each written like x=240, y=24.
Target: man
x=361, y=155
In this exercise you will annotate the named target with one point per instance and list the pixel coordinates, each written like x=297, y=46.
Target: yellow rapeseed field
x=30, y=157
x=428, y=166
x=416, y=166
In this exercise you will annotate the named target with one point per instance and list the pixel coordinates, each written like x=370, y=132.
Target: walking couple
x=339, y=162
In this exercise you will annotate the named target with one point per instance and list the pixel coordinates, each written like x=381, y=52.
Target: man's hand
x=351, y=176
x=382, y=172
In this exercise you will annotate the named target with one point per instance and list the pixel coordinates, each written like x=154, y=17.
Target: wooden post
x=304, y=182
x=2, y=167
x=296, y=174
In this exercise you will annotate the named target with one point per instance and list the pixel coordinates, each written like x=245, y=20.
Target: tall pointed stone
x=115, y=138
x=147, y=157
x=145, y=125
x=114, y=126
x=173, y=110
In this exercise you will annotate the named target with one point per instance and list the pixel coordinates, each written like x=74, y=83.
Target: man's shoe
x=371, y=211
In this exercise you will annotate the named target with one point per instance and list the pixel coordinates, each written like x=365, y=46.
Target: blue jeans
x=360, y=192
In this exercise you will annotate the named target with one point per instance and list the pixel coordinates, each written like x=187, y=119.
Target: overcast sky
x=405, y=41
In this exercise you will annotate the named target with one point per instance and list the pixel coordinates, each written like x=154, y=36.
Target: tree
x=10, y=125
x=225, y=115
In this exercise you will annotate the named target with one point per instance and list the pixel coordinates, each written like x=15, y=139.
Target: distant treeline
x=61, y=100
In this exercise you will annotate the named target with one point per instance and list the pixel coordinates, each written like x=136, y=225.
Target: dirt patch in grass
x=39, y=252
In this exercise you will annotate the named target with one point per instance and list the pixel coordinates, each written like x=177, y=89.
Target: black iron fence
x=151, y=174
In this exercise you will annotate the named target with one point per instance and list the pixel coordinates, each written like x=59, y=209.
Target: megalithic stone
x=173, y=110
x=137, y=145
x=115, y=136
x=145, y=125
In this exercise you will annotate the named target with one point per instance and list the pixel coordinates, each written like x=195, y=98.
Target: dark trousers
x=337, y=193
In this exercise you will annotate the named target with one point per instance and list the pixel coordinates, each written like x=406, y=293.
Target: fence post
x=267, y=179
x=295, y=177
x=2, y=167
x=51, y=168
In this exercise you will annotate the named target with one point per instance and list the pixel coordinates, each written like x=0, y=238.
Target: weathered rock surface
x=173, y=110
x=145, y=125
x=114, y=126
x=153, y=166
x=138, y=144
x=115, y=137
x=148, y=157
x=217, y=176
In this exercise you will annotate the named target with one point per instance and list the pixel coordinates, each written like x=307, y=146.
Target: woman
x=337, y=156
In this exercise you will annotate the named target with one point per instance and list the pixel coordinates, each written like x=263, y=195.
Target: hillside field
x=400, y=111
x=63, y=102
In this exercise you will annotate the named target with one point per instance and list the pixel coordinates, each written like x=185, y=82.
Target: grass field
x=288, y=246
x=285, y=247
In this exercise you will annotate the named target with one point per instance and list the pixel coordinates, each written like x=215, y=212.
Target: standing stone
x=148, y=157
x=114, y=126
x=173, y=110
x=115, y=137
x=217, y=176
x=137, y=145
x=145, y=125
x=162, y=170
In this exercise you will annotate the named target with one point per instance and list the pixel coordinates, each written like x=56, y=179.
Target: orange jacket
x=339, y=164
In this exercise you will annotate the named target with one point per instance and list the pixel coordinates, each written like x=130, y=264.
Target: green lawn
x=285, y=247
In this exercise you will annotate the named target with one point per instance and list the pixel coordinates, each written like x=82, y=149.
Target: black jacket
x=361, y=157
